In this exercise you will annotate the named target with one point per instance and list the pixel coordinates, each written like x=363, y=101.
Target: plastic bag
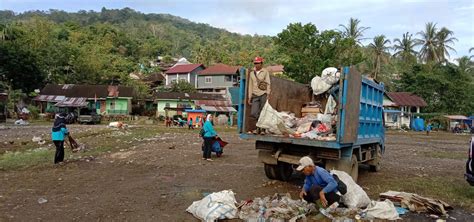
x=330, y=105
x=220, y=205
x=382, y=210
x=355, y=197
x=329, y=77
x=269, y=119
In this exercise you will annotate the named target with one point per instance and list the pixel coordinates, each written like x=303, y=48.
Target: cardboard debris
x=417, y=203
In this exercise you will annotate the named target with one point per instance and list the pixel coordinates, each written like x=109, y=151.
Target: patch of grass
x=446, y=155
x=454, y=191
x=21, y=160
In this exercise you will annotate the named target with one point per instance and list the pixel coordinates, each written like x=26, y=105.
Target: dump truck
x=359, y=134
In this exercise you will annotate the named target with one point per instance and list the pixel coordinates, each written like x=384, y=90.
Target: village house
x=105, y=99
x=218, y=78
x=399, y=108
x=276, y=69
x=175, y=103
x=186, y=72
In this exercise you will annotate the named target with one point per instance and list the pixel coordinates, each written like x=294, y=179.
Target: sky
x=391, y=18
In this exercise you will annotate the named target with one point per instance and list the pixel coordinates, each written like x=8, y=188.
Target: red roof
x=275, y=68
x=219, y=69
x=406, y=99
x=183, y=68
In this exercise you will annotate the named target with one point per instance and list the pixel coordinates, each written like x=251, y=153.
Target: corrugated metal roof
x=218, y=109
x=456, y=117
x=88, y=91
x=212, y=103
x=191, y=96
x=73, y=102
x=220, y=69
x=406, y=99
x=183, y=68
x=49, y=98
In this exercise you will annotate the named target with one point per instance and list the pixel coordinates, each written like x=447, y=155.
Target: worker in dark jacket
x=319, y=183
x=58, y=133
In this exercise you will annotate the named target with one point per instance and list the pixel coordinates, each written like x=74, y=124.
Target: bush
x=34, y=111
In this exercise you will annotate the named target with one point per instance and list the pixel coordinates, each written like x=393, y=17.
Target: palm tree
x=445, y=39
x=404, y=48
x=379, y=49
x=428, y=42
x=353, y=30
x=465, y=64
x=470, y=50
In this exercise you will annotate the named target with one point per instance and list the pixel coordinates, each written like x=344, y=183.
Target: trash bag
x=355, y=197
x=382, y=210
x=216, y=147
x=330, y=105
x=329, y=76
x=218, y=205
x=269, y=119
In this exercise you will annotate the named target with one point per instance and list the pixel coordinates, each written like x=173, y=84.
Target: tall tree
x=353, y=30
x=428, y=40
x=445, y=40
x=379, y=50
x=404, y=48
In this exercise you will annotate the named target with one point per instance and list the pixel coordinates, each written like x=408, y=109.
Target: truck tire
x=354, y=168
x=351, y=166
x=284, y=171
x=376, y=164
x=270, y=171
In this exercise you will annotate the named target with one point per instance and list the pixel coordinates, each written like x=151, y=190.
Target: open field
x=152, y=173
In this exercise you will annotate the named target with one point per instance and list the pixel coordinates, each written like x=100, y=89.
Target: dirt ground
x=149, y=173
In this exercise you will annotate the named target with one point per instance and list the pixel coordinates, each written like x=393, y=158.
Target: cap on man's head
x=304, y=162
x=258, y=60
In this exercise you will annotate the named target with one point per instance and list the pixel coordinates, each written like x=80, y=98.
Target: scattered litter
x=275, y=208
x=219, y=205
x=42, y=200
x=21, y=122
x=36, y=139
x=401, y=210
x=118, y=125
x=417, y=203
x=382, y=210
x=355, y=197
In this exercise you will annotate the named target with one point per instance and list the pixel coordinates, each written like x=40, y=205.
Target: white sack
x=355, y=197
x=269, y=119
x=382, y=210
x=219, y=205
x=329, y=77
x=330, y=105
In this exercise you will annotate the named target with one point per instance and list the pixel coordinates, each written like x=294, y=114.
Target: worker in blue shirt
x=319, y=183
x=58, y=133
x=209, y=136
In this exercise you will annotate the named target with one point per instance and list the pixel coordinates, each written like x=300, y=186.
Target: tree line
x=39, y=47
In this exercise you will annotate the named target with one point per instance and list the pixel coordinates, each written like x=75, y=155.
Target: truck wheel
x=354, y=168
x=270, y=171
x=376, y=164
x=284, y=171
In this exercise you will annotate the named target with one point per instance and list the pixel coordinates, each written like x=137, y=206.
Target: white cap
x=304, y=162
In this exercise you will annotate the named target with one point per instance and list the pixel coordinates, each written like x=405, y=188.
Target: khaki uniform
x=259, y=97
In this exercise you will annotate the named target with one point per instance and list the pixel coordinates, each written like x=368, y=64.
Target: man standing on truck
x=319, y=183
x=258, y=90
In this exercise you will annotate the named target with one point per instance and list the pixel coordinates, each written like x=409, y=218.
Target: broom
x=74, y=145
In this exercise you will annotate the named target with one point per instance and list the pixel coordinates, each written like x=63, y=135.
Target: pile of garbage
x=355, y=204
x=315, y=124
x=275, y=208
